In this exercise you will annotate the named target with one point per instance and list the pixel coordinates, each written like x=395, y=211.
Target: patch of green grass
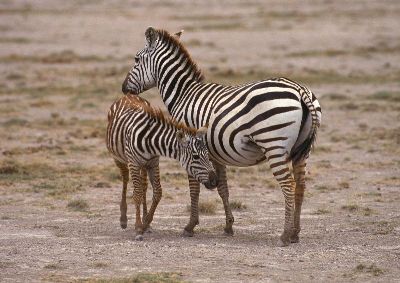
x=78, y=205
x=385, y=96
x=308, y=77
x=237, y=205
x=52, y=266
x=15, y=122
x=350, y=207
x=372, y=268
x=61, y=57
x=159, y=277
x=321, y=211
x=228, y=25
x=100, y=264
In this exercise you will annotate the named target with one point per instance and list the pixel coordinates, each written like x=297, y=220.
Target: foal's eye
x=136, y=59
x=196, y=157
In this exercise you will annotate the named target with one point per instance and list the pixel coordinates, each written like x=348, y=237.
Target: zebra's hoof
x=187, y=233
x=149, y=230
x=139, y=238
x=228, y=231
x=123, y=225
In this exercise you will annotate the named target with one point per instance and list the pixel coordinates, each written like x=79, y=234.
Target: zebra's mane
x=138, y=103
x=167, y=38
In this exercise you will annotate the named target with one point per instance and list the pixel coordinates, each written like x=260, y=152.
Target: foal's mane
x=135, y=102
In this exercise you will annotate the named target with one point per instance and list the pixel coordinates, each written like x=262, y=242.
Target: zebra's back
x=119, y=119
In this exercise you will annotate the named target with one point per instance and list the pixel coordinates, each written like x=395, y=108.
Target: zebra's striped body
x=274, y=120
x=136, y=136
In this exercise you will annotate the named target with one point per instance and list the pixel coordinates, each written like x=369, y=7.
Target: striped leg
x=299, y=169
x=137, y=198
x=194, y=187
x=154, y=174
x=281, y=171
x=143, y=179
x=123, y=220
x=224, y=194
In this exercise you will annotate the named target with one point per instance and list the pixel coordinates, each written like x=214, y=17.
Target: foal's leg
x=125, y=179
x=154, y=174
x=143, y=179
x=224, y=194
x=194, y=187
x=280, y=168
x=137, y=198
x=299, y=169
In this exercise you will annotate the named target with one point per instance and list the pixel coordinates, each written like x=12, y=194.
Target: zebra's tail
x=301, y=151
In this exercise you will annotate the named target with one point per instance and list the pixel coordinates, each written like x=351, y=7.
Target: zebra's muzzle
x=125, y=87
x=212, y=181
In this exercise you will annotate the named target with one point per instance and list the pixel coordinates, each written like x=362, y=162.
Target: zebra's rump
x=262, y=120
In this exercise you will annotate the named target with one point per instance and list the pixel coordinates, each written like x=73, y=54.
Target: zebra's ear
x=182, y=138
x=201, y=132
x=178, y=34
x=151, y=36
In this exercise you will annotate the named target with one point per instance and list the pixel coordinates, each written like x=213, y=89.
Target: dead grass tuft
x=160, y=277
x=78, y=205
x=373, y=269
x=237, y=205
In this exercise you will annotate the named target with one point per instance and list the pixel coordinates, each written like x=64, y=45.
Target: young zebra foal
x=137, y=135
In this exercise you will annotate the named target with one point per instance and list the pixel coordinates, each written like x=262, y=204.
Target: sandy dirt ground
x=61, y=66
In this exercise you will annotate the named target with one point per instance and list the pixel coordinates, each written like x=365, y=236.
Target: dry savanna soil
x=62, y=64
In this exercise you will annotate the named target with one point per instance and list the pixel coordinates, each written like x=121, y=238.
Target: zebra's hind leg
x=299, y=169
x=154, y=174
x=123, y=220
x=194, y=187
x=280, y=168
x=137, y=198
x=223, y=192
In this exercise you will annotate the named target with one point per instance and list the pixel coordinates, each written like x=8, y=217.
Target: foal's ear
x=201, y=132
x=182, y=138
x=151, y=36
x=178, y=34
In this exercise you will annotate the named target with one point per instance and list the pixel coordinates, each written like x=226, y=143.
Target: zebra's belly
x=245, y=154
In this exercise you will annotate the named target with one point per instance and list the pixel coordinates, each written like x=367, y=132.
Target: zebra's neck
x=178, y=80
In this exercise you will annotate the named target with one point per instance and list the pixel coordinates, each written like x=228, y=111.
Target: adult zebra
x=274, y=120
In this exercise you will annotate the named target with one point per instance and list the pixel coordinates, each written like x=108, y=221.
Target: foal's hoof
x=148, y=230
x=187, y=233
x=139, y=238
x=294, y=239
x=228, y=231
x=283, y=243
x=123, y=225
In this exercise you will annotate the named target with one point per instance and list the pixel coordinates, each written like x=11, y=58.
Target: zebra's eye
x=196, y=157
x=136, y=59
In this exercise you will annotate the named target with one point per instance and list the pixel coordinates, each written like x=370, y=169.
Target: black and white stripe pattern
x=136, y=136
x=274, y=120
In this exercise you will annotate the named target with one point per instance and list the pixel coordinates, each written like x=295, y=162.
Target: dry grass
x=78, y=205
x=161, y=277
x=237, y=205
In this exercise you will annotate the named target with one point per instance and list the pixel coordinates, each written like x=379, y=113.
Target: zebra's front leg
x=223, y=192
x=281, y=171
x=299, y=169
x=137, y=198
x=123, y=220
x=194, y=187
x=154, y=174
